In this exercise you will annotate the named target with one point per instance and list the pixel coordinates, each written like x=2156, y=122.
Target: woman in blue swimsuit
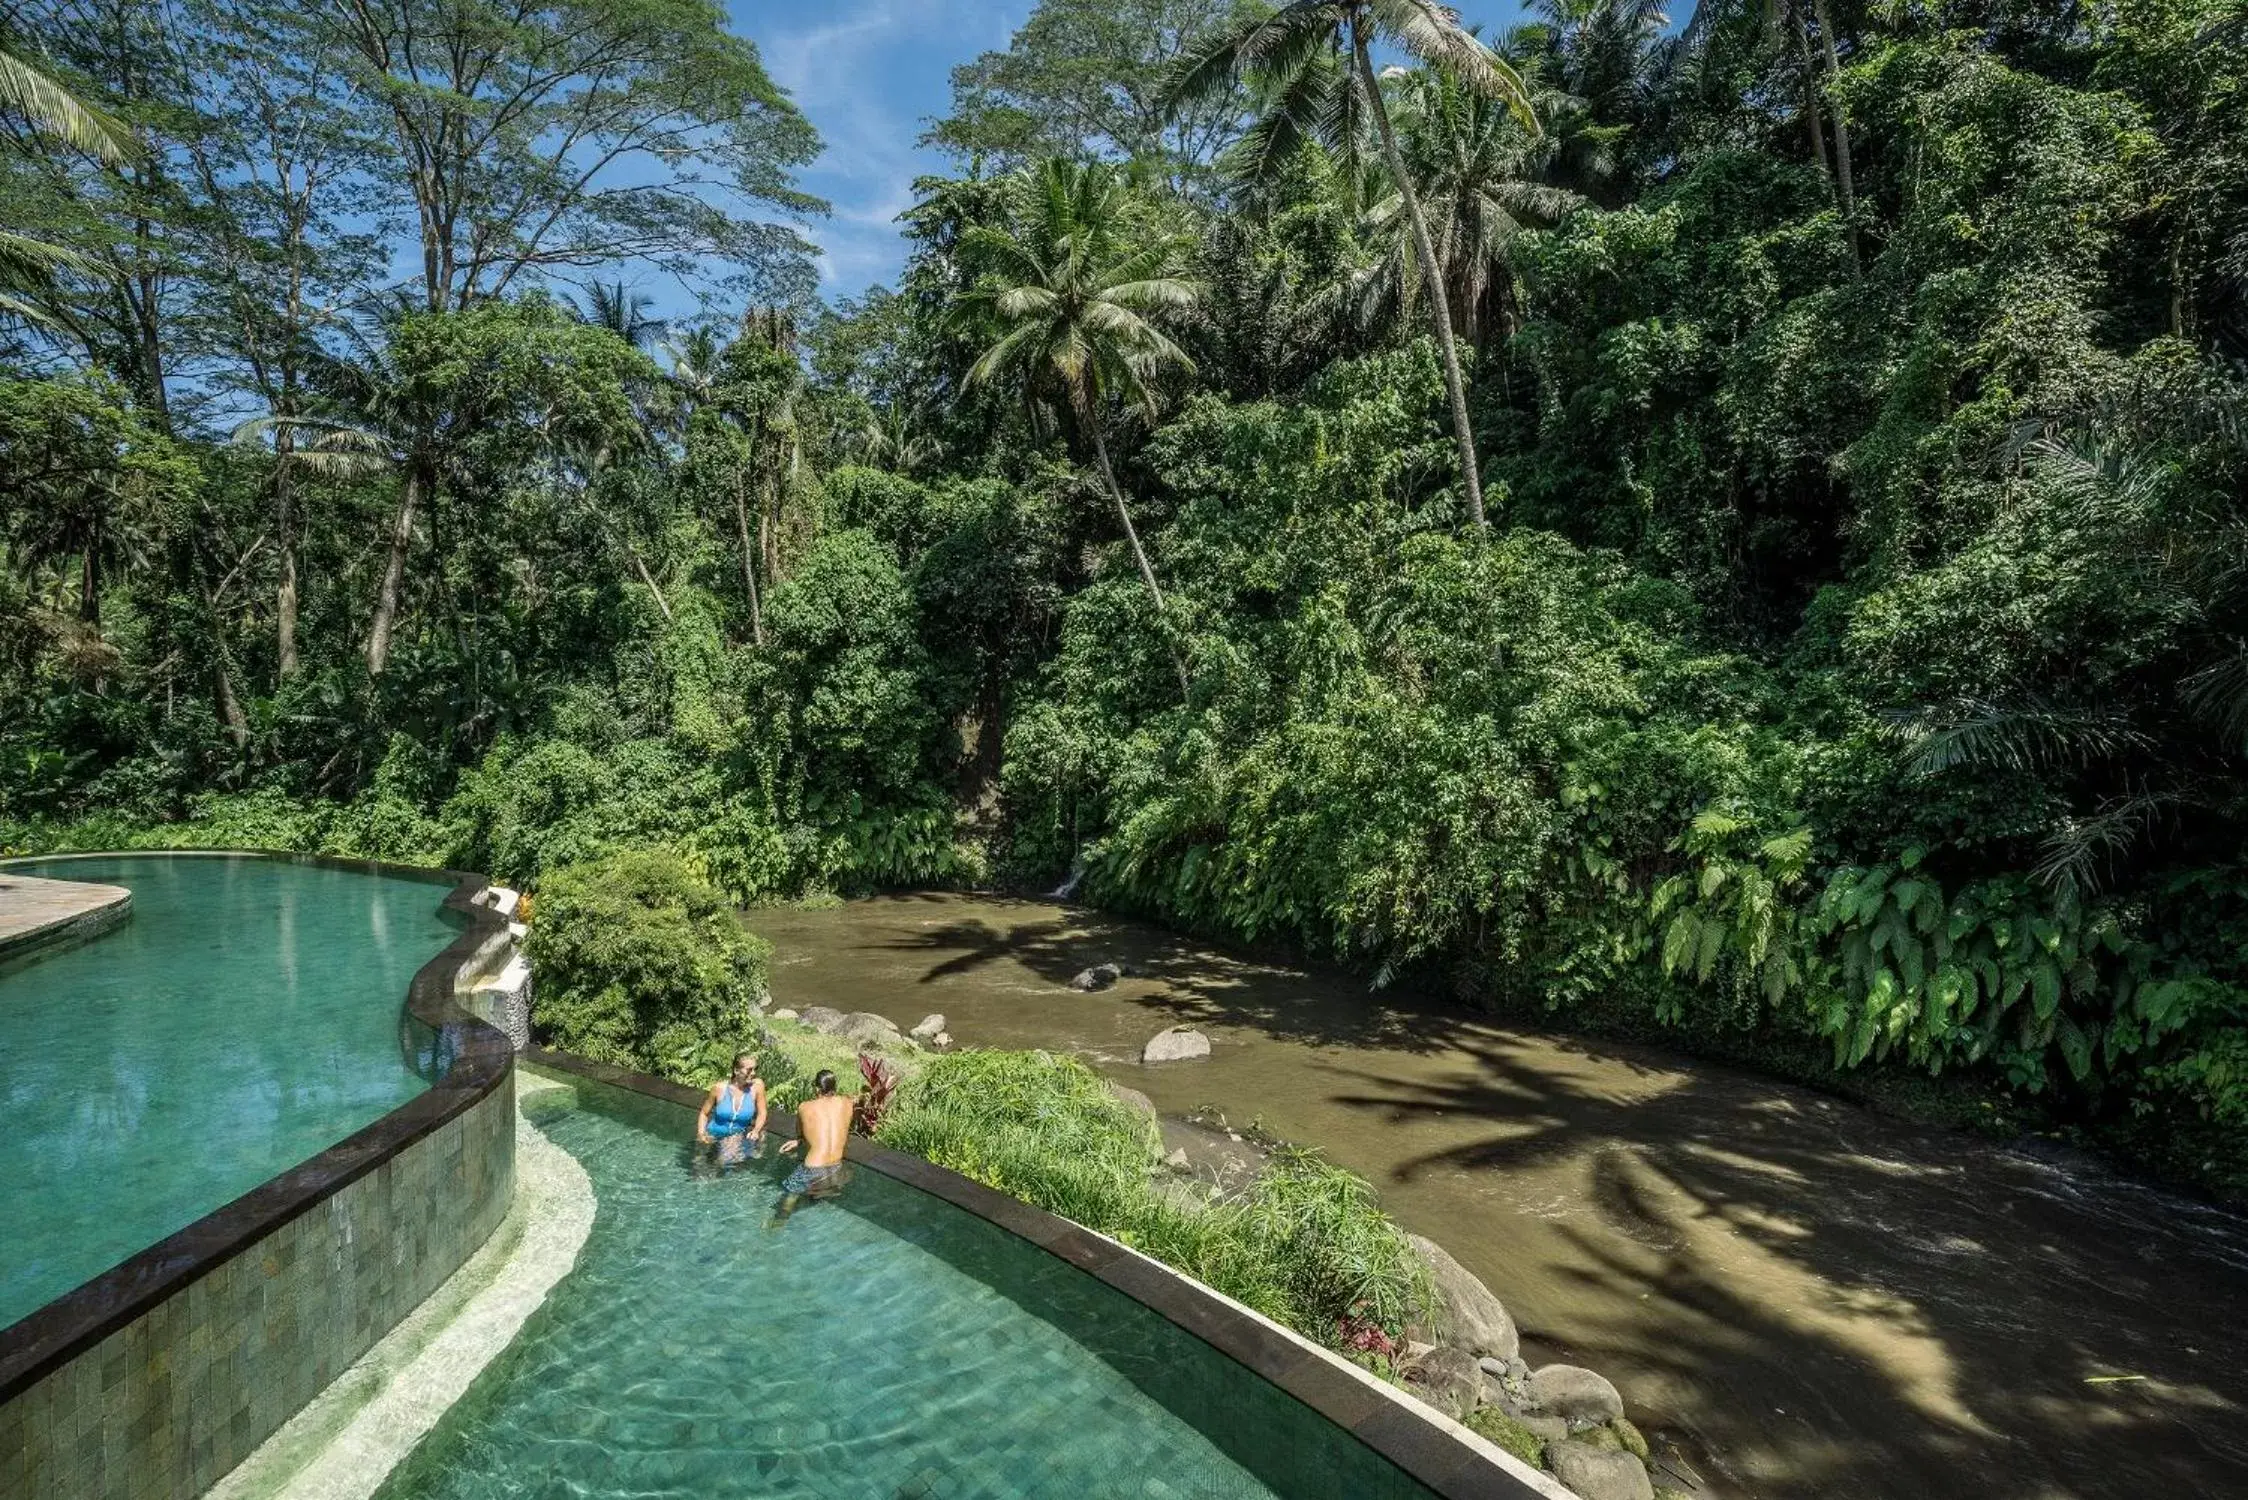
x=733, y=1112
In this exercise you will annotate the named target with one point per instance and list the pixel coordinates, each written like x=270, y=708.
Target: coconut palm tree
x=49, y=109
x=623, y=311
x=1287, y=57
x=893, y=438
x=1072, y=294
x=1482, y=182
x=1596, y=70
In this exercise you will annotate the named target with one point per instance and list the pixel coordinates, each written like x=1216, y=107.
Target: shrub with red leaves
x=1358, y=1334
x=874, y=1103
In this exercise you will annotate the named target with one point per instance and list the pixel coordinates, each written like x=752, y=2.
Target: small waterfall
x=1067, y=888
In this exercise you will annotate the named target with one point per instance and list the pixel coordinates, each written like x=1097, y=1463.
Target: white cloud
x=869, y=74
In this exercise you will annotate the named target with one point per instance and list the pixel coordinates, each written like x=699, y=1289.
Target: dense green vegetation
x=641, y=962
x=1847, y=656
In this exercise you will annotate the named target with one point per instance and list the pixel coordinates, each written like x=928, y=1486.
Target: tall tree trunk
x=285, y=532
x=1841, y=126
x=769, y=525
x=1432, y=279
x=89, y=582
x=1812, y=134
x=749, y=562
x=1139, y=553
x=662, y=607
x=230, y=707
x=394, y=569
x=768, y=546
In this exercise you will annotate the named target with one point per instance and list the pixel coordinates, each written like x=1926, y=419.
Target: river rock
x=822, y=1019
x=1599, y=1474
x=1132, y=1099
x=1544, y=1429
x=942, y=1040
x=1446, y=1378
x=1175, y=1044
x=1476, y=1320
x=927, y=1029
x=867, y=1029
x=1573, y=1392
x=1502, y=1382
x=1507, y=1372
x=1098, y=977
x=784, y=1014
x=1179, y=1161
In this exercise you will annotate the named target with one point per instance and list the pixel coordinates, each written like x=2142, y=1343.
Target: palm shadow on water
x=1825, y=1302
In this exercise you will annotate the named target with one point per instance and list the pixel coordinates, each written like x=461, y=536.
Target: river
x=1799, y=1298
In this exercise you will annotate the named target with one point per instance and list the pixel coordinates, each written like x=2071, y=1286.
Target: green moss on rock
x=1489, y=1422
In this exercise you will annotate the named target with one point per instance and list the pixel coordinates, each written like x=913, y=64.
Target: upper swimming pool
x=245, y=1019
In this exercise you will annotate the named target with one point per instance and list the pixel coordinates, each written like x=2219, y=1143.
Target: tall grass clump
x=1338, y=1255
x=1041, y=1127
x=1308, y=1245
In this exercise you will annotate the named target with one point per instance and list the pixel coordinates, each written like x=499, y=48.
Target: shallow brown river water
x=1809, y=1300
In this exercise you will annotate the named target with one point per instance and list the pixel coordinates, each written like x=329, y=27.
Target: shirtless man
x=823, y=1125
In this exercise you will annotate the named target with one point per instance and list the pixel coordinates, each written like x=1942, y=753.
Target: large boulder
x=1475, y=1319
x=822, y=1019
x=1573, y=1392
x=1599, y=1473
x=1175, y=1044
x=1447, y=1379
x=867, y=1029
x=927, y=1029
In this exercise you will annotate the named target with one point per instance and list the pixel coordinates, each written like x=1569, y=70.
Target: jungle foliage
x=1851, y=659
x=639, y=959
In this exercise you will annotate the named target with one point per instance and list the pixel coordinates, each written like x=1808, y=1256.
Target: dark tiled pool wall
x=156, y=1378
x=167, y=1404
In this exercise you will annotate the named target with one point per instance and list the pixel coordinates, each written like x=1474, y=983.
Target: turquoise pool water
x=884, y=1344
x=246, y=1018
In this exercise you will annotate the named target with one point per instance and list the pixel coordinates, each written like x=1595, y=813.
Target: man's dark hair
x=824, y=1083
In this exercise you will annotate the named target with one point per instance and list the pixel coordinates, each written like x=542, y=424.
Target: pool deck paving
x=35, y=912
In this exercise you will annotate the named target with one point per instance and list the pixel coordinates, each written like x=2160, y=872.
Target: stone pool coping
x=482, y=1060
x=1443, y=1455
x=41, y=915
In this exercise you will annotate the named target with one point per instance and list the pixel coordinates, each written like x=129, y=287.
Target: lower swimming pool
x=881, y=1344
x=246, y=1018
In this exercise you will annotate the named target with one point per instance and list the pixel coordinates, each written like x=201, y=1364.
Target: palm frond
x=1433, y=33
x=2026, y=736
x=2076, y=858
x=1152, y=294
x=16, y=307
x=53, y=110
x=2218, y=694
x=28, y=260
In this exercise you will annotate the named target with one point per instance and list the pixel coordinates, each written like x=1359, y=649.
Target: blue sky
x=869, y=74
